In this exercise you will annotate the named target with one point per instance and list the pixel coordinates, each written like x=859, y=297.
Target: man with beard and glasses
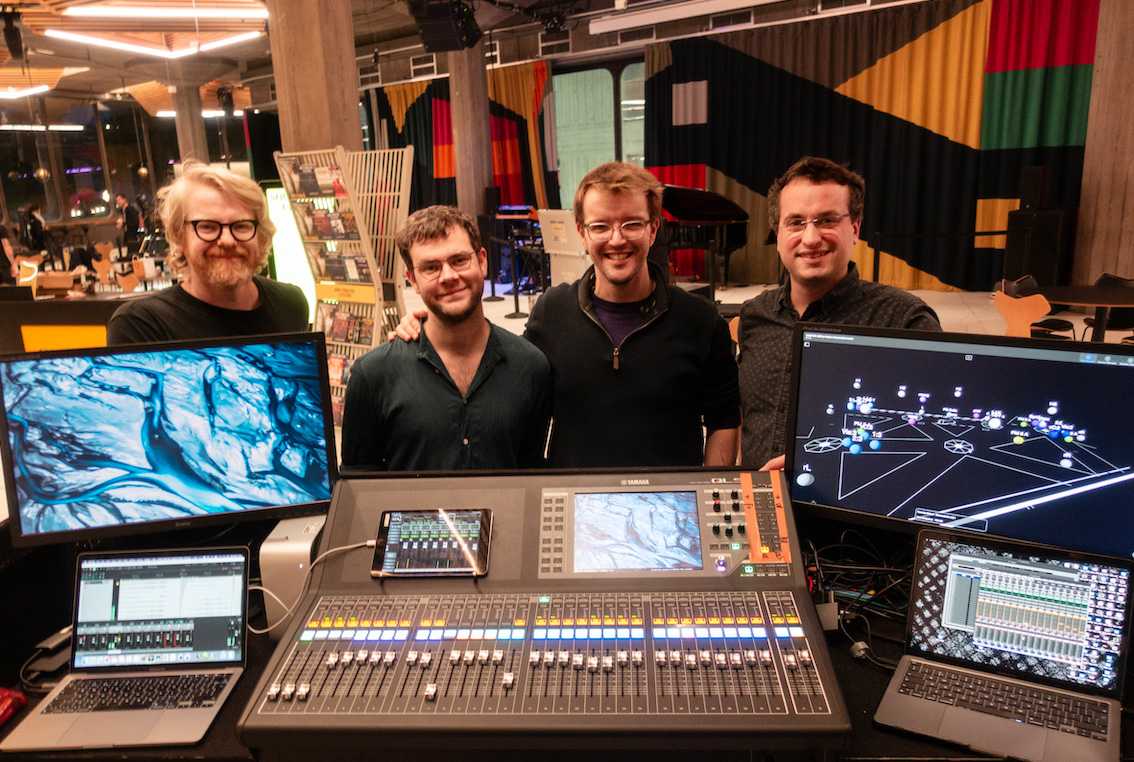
x=218, y=230
x=467, y=394
x=816, y=210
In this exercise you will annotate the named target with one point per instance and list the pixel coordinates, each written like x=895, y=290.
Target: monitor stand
x=285, y=556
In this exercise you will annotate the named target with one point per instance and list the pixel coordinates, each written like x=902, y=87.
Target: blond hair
x=172, y=200
x=620, y=177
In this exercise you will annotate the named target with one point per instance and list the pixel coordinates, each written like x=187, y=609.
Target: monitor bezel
x=162, y=553
x=1018, y=546
x=867, y=518
x=20, y=539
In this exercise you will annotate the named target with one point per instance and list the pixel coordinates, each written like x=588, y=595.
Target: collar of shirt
x=492, y=357
x=844, y=287
x=658, y=301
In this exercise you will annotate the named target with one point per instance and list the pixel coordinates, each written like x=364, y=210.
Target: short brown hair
x=433, y=223
x=172, y=199
x=816, y=169
x=620, y=177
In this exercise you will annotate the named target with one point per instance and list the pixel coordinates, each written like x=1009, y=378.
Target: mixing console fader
x=612, y=605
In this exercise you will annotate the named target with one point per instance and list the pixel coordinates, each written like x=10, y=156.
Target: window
x=632, y=105
x=644, y=34
x=492, y=53
x=552, y=43
x=423, y=66
x=730, y=20
x=584, y=125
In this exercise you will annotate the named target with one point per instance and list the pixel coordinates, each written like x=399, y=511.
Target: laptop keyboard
x=147, y=692
x=1035, y=706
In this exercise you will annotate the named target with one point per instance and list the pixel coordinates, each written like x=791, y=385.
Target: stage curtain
x=940, y=106
x=517, y=94
x=418, y=114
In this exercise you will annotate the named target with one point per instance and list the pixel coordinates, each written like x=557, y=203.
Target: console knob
x=497, y=656
x=288, y=691
x=302, y=691
x=507, y=681
x=533, y=658
x=346, y=658
x=411, y=658
x=332, y=660
x=362, y=655
x=274, y=692
x=431, y=691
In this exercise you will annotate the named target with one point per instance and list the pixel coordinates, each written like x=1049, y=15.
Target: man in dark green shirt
x=468, y=394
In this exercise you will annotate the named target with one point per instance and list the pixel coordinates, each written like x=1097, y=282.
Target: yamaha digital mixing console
x=668, y=608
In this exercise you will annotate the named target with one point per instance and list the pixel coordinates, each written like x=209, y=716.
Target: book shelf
x=348, y=206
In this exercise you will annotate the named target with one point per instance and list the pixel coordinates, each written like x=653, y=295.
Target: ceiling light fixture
x=618, y=22
x=143, y=12
x=128, y=47
x=207, y=114
x=11, y=93
x=41, y=128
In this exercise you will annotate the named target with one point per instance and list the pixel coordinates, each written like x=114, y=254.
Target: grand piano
x=700, y=219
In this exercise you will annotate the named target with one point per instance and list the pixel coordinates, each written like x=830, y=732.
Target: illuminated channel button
x=362, y=656
x=577, y=661
x=469, y=657
x=564, y=658
x=326, y=622
x=691, y=661
x=608, y=664
x=548, y=659
x=750, y=657
x=332, y=660
x=352, y=621
x=431, y=691
x=482, y=656
x=497, y=656
x=533, y=658
x=274, y=692
x=426, y=660
x=736, y=660
x=795, y=632
x=636, y=658
x=721, y=661
x=389, y=658
x=706, y=658
x=675, y=658
x=805, y=657
x=288, y=691
x=592, y=664
x=659, y=658
x=454, y=656
x=346, y=658
x=339, y=622
x=375, y=657
x=790, y=661
x=765, y=657
x=507, y=681
x=411, y=658
x=302, y=691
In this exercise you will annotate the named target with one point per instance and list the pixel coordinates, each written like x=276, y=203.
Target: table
x=1102, y=298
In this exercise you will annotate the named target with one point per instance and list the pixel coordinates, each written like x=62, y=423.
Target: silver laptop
x=158, y=644
x=1013, y=649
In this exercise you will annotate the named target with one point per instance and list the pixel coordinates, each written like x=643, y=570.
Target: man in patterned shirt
x=816, y=210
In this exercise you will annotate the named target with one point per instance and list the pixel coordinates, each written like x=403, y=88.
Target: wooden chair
x=1020, y=312
x=734, y=330
x=128, y=283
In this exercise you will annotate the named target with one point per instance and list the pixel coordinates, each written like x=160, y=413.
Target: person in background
x=129, y=224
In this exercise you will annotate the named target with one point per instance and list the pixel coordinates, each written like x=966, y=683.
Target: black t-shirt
x=174, y=314
x=620, y=318
x=132, y=222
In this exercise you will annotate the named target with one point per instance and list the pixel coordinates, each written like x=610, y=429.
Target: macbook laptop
x=1013, y=649
x=158, y=642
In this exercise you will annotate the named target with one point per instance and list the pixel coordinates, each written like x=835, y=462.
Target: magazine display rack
x=348, y=205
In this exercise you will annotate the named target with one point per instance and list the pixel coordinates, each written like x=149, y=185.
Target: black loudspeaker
x=1036, y=188
x=445, y=24
x=1037, y=245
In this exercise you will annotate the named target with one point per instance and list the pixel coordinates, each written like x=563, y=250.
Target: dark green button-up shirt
x=404, y=413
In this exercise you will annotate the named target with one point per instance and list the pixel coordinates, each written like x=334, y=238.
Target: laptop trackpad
x=995, y=734
x=96, y=731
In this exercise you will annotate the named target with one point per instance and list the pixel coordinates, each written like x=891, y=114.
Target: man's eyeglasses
x=822, y=222
x=632, y=230
x=458, y=262
x=210, y=230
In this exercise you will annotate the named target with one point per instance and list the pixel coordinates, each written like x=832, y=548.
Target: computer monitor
x=119, y=440
x=1020, y=438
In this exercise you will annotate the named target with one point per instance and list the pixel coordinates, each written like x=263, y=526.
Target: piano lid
x=690, y=206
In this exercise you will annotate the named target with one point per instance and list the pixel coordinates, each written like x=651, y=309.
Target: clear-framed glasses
x=632, y=230
x=458, y=262
x=822, y=222
x=210, y=230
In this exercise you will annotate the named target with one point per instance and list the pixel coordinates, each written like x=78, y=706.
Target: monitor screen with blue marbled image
x=127, y=439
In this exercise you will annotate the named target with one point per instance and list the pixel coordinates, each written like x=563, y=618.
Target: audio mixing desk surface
x=649, y=610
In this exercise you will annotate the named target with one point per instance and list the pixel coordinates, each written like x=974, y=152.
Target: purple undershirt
x=619, y=318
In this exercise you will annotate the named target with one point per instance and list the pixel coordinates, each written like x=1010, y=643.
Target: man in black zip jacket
x=638, y=366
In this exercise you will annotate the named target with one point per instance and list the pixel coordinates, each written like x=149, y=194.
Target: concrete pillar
x=315, y=73
x=190, y=124
x=472, y=143
x=1105, y=233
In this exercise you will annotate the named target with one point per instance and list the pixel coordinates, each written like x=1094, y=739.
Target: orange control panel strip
x=759, y=552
